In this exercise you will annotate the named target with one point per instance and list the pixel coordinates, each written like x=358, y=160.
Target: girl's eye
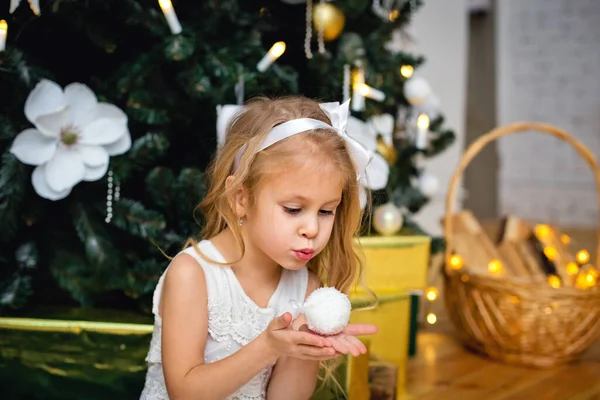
x=326, y=212
x=291, y=210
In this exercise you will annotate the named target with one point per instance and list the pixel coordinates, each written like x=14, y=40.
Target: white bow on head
x=337, y=113
x=224, y=116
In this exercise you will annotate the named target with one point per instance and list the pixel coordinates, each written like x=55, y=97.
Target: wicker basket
x=512, y=320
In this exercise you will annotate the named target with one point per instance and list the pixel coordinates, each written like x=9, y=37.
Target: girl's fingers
x=304, y=328
x=360, y=329
x=350, y=345
x=305, y=338
x=356, y=344
x=311, y=351
x=327, y=358
x=340, y=345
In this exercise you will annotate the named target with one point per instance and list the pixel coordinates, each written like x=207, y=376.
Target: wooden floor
x=443, y=370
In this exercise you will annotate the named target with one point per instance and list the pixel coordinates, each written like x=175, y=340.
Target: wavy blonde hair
x=339, y=264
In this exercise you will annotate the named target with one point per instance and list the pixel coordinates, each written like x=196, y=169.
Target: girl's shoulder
x=193, y=268
x=205, y=253
x=200, y=258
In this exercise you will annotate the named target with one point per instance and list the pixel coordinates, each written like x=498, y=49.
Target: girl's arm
x=183, y=309
x=296, y=379
x=292, y=378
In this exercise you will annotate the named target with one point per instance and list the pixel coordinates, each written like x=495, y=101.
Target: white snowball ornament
x=327, y=311
x=429, y=184
x=431, y=107
x=416, y=90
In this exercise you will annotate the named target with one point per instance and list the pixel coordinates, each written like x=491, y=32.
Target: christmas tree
x=109, y=112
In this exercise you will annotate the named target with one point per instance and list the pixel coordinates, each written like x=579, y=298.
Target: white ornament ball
x=429, y=184
x=416, y=90
x=431, y=107
x=327, y=311
x=387, y=219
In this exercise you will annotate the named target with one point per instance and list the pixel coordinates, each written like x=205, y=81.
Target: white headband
x=338, y=115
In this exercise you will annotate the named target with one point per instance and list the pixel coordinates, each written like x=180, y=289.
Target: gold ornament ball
x=387, y=219
x=330, y=18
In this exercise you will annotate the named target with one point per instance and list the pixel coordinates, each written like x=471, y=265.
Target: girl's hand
x=282, y=340
x=346, y=342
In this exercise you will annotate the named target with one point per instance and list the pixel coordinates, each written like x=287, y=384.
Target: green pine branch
x=159, y=182
x=190, y=187
x=74, y=274
x=13, y=64
x=144, y=275
x=409, y=197
x=149, y=18
x=14, y=179
x=179, y=47
x=195, y=83
x=178, y=198
x=132, y=217
x=440, y=143
x=147, y=107
x=136, y=72
x=100, y=250
x=7, y=130
x=15, y=292
x=145, y=152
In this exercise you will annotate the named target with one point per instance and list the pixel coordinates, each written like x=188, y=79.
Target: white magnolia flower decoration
x=33, y=4
x=73, y=138
x=378, y=170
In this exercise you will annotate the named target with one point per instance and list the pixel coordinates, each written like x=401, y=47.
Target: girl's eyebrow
x=304, y=199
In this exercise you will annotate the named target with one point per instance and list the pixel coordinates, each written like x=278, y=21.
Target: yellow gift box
x=395, y=267
x=394, y=262
x=392, y=317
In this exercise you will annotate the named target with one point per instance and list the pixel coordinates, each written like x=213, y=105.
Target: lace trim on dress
x=248, y=323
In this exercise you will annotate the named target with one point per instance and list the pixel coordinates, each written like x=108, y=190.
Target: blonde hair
x=338, y=265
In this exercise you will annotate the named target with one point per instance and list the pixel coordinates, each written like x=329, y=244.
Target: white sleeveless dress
x=233, y=321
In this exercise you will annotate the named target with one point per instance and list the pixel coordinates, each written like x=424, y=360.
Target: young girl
x=282, y=214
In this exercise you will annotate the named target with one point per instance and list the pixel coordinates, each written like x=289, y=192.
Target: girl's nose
x=310, y=227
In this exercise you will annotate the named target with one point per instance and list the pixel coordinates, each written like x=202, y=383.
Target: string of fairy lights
x=570, y=271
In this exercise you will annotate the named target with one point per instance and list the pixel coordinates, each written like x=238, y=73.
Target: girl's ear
x=239, y=201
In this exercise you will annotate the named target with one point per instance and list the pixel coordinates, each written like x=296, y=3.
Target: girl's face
x=293, y=215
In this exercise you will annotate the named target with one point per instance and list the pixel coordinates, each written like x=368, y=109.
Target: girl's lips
x=304, y=254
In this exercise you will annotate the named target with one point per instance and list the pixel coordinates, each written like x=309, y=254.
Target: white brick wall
x=548, y=54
